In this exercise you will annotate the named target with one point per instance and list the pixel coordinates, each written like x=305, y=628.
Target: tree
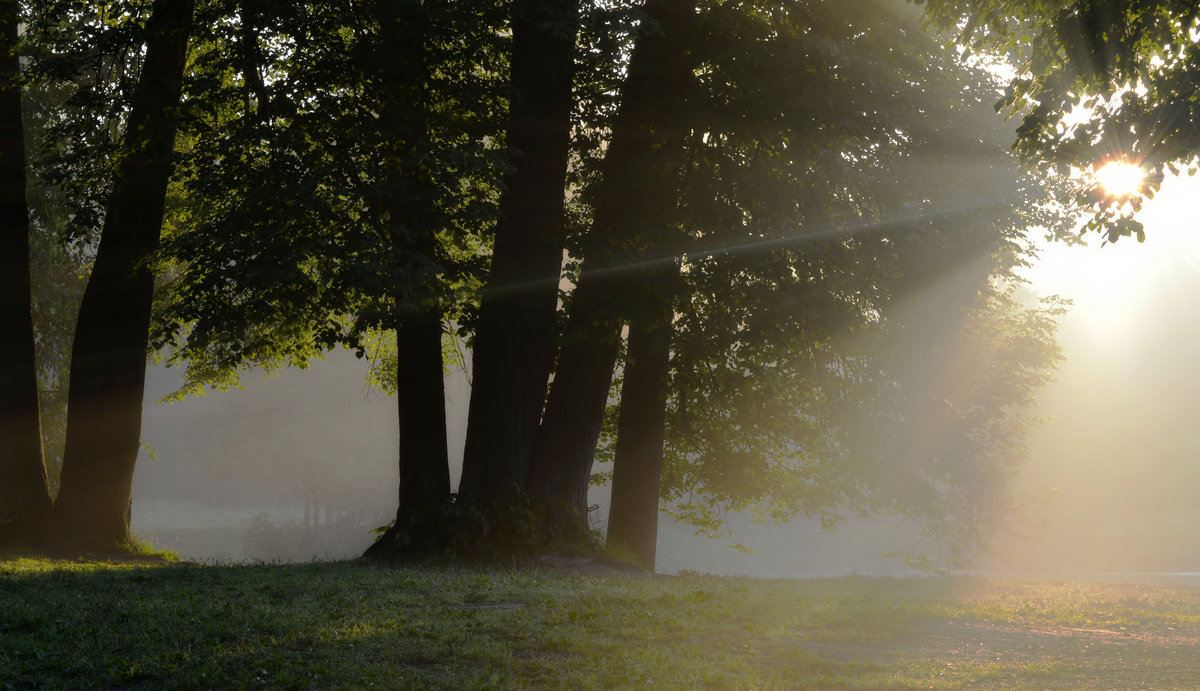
x=376, y=231
x=513, y=348
x=1124, y=71
x=24, y=494
x=632, y=211
x=736, y=163
x=642, y=424
x=108, y=362
x=777, y=347
x=410, y=207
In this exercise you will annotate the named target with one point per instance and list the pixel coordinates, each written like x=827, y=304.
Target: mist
x=228, y=464
x=301, y=464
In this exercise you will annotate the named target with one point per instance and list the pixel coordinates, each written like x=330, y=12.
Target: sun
x=1116, y=287
x=1120, y=178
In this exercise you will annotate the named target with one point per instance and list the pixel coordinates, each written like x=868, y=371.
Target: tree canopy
x=793, y=226
x=1093, y=81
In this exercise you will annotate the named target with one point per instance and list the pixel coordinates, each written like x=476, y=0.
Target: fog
x=230, y=470
x=302, y=464
x=1121, y=450
x=218, y=465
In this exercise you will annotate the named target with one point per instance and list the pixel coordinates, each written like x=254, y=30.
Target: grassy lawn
x=69, y=625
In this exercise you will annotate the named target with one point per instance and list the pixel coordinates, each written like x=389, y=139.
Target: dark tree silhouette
x=514, y=336
x=24, y=494
x=108, y=362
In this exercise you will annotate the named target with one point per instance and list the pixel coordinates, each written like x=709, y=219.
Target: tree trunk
x=108, y=362
x=562, y=460
x=24, y=494
x=420, y=393
x=633, y=209
x=514, y=337
x=641, y=429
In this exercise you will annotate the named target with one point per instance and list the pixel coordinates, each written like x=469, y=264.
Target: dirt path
x=1035, y=655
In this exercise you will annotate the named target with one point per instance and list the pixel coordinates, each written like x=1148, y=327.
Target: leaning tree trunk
x=562, y=461
x=24, y=495
x=633, y=209
x=420, y=392
x=641, y=426
x=514, y=337
x=108, y=360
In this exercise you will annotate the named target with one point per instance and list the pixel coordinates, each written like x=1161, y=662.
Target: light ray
x=825, y=231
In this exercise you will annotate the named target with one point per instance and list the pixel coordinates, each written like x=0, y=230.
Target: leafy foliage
x=88, y=55
x=1095, y=80
x=281, y=246
x=828, y=170
x=822, y=193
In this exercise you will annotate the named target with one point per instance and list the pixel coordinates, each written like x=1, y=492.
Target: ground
x=567, y=624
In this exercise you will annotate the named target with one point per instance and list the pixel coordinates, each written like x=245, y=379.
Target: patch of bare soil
x=1038, y=655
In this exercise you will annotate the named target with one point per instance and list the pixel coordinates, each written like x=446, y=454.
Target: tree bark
x=24, y=493
x=562, y=460
x=633, y=209
x=514, y=337
x=420, y=393
x=641, y=428
x=108, y=362
x=420, y=390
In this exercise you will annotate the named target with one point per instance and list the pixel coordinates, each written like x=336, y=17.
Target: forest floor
x=552, y=625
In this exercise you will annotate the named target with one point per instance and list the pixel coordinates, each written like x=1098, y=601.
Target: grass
x=329, y=625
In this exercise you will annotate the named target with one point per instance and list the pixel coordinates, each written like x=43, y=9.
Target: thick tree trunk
x=514, y=337
x=24, y=495
x=421, y=408
x=641, y=429
x=108, y=361
x=562, y=460
x=633, y=209
x=424, y=464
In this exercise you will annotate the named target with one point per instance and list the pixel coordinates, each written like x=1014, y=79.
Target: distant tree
x=24, y=494
x=60, y=264
x=59, y=279
x=318, y=451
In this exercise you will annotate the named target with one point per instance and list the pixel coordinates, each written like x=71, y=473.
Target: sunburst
x=1120, y=179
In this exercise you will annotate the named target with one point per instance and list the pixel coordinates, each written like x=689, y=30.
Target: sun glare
x=1120, y=179
x=1114, y=286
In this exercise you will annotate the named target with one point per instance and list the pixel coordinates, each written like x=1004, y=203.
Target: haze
x=1109, y=485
